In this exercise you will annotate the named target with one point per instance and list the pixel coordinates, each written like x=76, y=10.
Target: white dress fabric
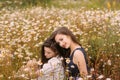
x=53, y=70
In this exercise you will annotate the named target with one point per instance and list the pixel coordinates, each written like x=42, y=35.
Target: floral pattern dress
x=53, y=70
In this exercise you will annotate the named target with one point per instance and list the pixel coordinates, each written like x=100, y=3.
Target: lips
x=64, y=46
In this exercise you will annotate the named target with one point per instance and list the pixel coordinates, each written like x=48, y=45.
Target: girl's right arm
x=48, y=68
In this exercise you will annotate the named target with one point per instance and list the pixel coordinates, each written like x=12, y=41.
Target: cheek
x=60, y=45
x=68, y=42
x=45, y=54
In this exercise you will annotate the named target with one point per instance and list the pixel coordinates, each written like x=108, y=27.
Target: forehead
x=48, y=49
x=59, y=36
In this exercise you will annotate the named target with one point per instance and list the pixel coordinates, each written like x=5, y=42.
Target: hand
x=32, y=64
x=39, y=73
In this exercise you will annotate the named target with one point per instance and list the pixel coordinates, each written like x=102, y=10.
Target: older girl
x=67, y=42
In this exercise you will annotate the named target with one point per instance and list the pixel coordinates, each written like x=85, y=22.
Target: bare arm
x=80, y=61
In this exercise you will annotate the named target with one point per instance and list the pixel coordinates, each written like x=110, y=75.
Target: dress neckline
x=75, y=50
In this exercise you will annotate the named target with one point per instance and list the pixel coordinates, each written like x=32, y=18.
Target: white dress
x=53, y=70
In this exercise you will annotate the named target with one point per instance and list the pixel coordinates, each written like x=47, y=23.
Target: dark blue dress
x=73, y=69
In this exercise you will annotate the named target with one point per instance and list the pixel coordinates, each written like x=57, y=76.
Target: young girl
x=52, y=68
x=77, y=61
x=49, y=68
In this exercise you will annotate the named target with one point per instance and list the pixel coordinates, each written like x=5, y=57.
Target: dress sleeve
x=49, y=67
x=53, y=70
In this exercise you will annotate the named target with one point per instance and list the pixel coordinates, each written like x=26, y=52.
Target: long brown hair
x=64, y=31
x=50, y=44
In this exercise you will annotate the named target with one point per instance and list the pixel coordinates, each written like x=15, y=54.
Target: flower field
x=22, y=32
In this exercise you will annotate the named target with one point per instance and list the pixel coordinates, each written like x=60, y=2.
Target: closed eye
x=61, y=39
x=47, y=52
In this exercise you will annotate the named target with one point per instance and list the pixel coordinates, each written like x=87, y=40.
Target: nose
x=62, y=44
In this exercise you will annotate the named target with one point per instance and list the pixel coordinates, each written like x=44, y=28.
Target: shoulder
x=55, y=60
x=78, y=54
x=52, y=62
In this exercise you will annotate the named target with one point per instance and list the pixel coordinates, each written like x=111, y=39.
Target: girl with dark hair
x=67, y=42
x=52, y=68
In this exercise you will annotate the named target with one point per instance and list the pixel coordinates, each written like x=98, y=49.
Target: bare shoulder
x=78, y=54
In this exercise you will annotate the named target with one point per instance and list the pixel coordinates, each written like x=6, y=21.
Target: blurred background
x=113, y=4
x=25, y=24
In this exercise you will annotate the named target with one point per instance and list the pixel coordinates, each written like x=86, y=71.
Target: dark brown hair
x=50, y=44
x=65, y=31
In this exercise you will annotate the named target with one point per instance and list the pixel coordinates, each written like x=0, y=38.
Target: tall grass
x=23, y=31
x=68, y=4
x=24, y=3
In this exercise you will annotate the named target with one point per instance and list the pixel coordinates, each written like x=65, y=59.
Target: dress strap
x=71, y=56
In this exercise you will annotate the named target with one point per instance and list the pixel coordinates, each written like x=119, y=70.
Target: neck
x=74, y=46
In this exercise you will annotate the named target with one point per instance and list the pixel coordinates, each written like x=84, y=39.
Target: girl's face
x=48, y=53
x=63, y=40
